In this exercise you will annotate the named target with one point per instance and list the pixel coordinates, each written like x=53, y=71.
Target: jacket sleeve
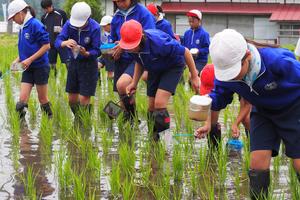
x=95, y=50
x=221, y=97
x=147, y=21
x=113, y=33
x=40, y=34
x=204, y=44
x=63, y=36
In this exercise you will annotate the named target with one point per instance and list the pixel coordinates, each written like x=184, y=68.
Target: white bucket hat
x=80, y=13
x=227, y=50
x=106, y=20
x=15, y=7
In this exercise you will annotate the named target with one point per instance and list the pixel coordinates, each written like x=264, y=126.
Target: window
x=289, y=30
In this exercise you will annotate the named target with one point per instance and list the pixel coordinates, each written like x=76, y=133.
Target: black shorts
x=63, y=54
x=82, y=77
x=36, y=75
x=166, y=80
x=122, y=68
x=268, y=129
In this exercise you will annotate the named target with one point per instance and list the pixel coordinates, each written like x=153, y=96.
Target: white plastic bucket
x=199, y=107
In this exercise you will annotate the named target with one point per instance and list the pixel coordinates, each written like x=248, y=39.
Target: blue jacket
x=138, y=13
x=199, y=39
x=276, y=87
x=31, y=38
x=88, y=37
x=160, y=52
x=165, y=26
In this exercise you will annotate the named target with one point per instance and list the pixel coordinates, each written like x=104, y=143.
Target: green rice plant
x=114, y=179
x=93, y=162
x=29, y=180
x=126, y=159
x=194, y=180
x=294, y=183
x=159, y=154
x=203, y=161
x=46, y=133
x=237, y=182
x=106, y=141
x=246, y=154
x=276, y=164
x=32, y=108
x=222, y=160
x=208, y=191
x=178, y=166
x=79, y=183
x=128, y=188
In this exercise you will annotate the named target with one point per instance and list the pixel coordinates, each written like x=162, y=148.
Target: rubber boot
x=46, y=108
x=259, y=184
x=161, y=122
x=74, y=108
x=150, y=124
x=214, y=137
x=298, y=176
x=21, y=108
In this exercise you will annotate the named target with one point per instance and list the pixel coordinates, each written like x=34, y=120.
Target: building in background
x=262, y=20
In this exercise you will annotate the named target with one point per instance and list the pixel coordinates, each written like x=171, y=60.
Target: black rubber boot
x=74, y=108
x=214, y=137
x=259, y=184
x=129, y=104
x=298, y=176
x=46, y=108
x=161, y=122
x=21, y=108
x=150, y=124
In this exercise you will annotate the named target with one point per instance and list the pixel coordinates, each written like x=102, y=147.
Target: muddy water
x=17, y=159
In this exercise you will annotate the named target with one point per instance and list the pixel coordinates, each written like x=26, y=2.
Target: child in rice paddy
x=124, y=65
x=269, y=78
x=106, y=39
x=197, y=38
x=164, y=58
x=207, y=78
x=33, y=46
x=81, y=34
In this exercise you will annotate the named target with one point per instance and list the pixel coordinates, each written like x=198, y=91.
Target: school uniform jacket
x=31, y=38
x=55, y=18
x=276, y=87
x=199, y=39
x=138, y=13
x=88, y=37
x=165, y=26
x=160, y=52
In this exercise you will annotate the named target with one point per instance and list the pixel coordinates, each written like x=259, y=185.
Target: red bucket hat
x=131, y=34
x=207, y=79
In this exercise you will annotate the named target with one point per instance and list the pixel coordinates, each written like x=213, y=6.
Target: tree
x=95, y=6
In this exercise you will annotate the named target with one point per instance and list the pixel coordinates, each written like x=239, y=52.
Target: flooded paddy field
x=105, y=159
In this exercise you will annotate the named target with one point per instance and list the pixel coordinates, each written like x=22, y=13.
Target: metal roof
x=276, y=11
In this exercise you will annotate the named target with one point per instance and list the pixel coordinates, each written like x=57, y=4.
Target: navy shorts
x=82, y=77
x=63, y=54
x=121, y=68
x=166, y=80
x=109, y=64
x=38, y=76
x=269, y=128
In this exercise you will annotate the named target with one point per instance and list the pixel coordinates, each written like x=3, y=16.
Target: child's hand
x=235, y=132
x=195, y=81
x=70, y=43
x=84, y=52
x=26, y=63
x=130, y=89
x=202, y=132
x=117, y=51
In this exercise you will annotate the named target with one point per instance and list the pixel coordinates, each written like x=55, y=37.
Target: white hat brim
x=77, y=23
x=228, y=74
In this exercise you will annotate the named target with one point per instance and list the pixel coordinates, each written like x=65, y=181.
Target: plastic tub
x=194, y=52
x=199, y=107
x=107, y=48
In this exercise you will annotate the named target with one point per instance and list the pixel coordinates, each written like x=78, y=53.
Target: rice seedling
x=294, y=183
x=106, y=141
x=79, y=183
x=114, y=179
x=126, y=159
x=178, y=166
x=28, y=179
x=32, y=108
x=128, y=188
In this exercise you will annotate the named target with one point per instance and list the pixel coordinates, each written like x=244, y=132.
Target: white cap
x=227, y=50
x=80, y=13
x=195, y=13
x=297, y=49
x=105, y=20
x=15, y=7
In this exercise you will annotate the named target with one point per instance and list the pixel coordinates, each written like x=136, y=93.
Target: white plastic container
x=194, y=52
x=199, y=107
